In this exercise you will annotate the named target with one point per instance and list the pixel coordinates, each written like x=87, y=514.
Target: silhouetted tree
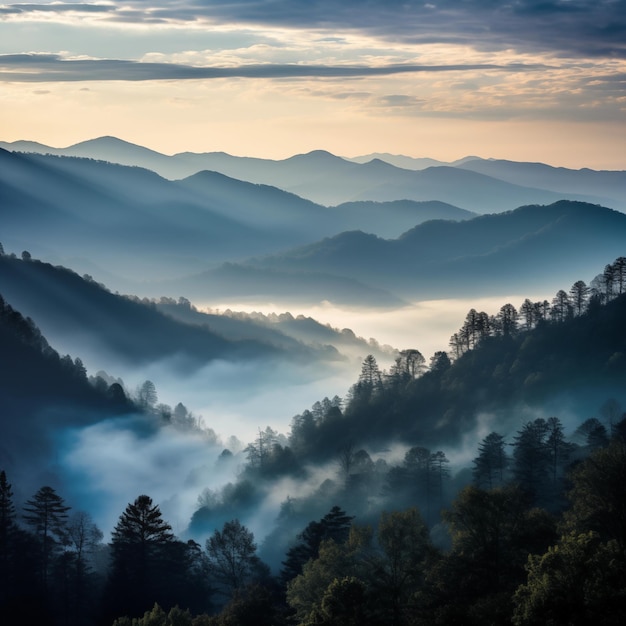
x=579, y=295
x=561, y=307
x=8, y=529
x=334, y=525
x=491, y=462
x=531, y=456
x=139, y=558
x=592, y=433
x=507, y=320
x=46, y=514
x=232, y=557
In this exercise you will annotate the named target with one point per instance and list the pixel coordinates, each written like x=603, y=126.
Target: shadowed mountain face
x=79, y=313
x=488, y=254
x=128, y=224
x=330, y=180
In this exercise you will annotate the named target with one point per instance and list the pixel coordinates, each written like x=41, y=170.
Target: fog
x=109, y=464
x=426, y=325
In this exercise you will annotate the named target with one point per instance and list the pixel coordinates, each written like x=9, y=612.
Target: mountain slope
x=489, y=253
x=608, y=186
x=127, y=224
x=41, y=392
x=568, y=369
x=77, y=313
x=327, y=179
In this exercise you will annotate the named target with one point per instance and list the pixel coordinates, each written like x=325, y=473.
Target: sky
x=527, y=80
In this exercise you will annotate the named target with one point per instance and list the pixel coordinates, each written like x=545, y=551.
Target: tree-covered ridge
x=500, y=364
x=379, y=549
x=35, y=374
x=506, y=560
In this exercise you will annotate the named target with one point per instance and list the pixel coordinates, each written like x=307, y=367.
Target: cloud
x=54, y=68
x=564, y=27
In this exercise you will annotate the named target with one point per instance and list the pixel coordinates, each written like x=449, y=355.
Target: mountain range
x=475, y=184
x=532, y=247
x=130, y=223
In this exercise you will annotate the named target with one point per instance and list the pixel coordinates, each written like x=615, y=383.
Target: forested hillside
x=466, y=490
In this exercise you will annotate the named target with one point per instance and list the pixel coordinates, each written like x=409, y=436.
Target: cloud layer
x=53, y=67
x=565, y=27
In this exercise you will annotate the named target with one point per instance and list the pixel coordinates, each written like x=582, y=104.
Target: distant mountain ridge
x=112, y=220
x=330, y=180
x=488, y=254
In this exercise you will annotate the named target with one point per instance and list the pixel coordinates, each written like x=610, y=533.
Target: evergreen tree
x=491, y=462
x=140, y=558
x=8, y=528
x=46, y=514
x=334, y=525
x=531, y=457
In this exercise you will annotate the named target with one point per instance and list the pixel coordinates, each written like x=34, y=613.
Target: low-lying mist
x=109, y=464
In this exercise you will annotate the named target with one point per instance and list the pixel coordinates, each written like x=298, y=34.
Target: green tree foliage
x=577, y=582
x=398, y=568
x=492, y=534
x=156, y=616
x=343, y=604
x=598, y=494
x=335, y=561
x=334, y=525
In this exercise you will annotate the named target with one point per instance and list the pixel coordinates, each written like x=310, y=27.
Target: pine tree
x=491, y=462
x=46, y=513
x=8, y=529
x=140, y=556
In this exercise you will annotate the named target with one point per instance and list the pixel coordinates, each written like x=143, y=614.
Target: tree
x=84, y=537
x=8, y=528
x=147, y=395
x=404, y=543
x=592, y=433
x=527, y=311
x=507, y=320
x=140, y=557
x=46, y=513
x=491, y=462
x=598, y=494
x=561, y=307
x=439, y=362
x=492, y=534
x=232, y=556
x=579, y=581
x=559, y=449
x=408, y=365
x=335, y=561
x=334, y=525
x=531, y=460
x=579, y=295
x=343, y=602
x=370, y=375
x=619, y=275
